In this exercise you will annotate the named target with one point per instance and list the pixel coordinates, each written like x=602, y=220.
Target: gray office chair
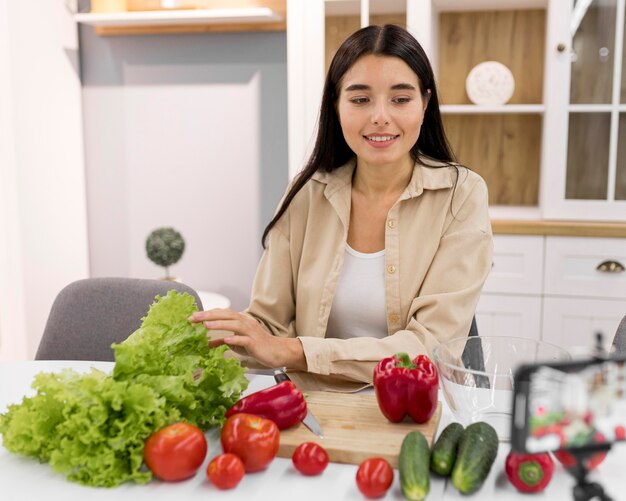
x=89, y=315
x=619, y=341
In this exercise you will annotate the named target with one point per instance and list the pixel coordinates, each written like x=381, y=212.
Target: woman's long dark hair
x=331, y=150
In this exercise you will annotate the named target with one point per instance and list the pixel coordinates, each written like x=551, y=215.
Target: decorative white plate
x=490, y=82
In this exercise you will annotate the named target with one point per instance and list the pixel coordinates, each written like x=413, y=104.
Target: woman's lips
x=381, y=141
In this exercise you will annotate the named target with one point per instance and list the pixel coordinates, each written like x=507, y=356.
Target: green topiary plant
x=164, y=247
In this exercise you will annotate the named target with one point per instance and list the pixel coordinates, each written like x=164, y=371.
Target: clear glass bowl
x=476, y=375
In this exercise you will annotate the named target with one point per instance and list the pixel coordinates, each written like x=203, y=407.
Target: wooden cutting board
x=354, y=428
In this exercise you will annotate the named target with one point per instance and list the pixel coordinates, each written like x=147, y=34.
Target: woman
x=382, y=243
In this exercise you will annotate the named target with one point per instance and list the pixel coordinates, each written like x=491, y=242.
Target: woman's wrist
x=294, y=352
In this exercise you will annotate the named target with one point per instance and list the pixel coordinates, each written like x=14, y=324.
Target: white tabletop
x=24, y=478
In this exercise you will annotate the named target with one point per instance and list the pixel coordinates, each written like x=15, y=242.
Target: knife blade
x=309, y=420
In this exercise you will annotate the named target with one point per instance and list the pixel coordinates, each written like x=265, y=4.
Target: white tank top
x=359, y=308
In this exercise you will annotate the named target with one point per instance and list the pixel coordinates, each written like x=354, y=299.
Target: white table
x=23, y=479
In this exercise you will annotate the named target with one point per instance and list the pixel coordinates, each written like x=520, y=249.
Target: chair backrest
x=472, y=357
x=89, y=315
x=619, y=341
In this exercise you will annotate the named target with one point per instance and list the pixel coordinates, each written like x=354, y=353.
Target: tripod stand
x=584, y=490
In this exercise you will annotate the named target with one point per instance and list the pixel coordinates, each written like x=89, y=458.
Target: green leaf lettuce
x=92, y=427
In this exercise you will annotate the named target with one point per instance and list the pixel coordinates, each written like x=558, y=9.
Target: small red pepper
x=529, y=472
x=406, y=387
x=283, y=403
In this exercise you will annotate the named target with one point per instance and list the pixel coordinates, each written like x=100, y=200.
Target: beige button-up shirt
x=438, y=252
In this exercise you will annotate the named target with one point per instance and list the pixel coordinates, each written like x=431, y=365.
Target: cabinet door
x=584, y=146
x=502, y=315
x=573, y=323
x=517, y=265
x=589, y=267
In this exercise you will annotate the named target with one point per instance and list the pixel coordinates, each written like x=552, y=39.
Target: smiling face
x=381, y=109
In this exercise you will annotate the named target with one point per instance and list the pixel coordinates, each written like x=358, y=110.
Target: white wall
x=44, y=207
x=13, y=342
x=187, y=131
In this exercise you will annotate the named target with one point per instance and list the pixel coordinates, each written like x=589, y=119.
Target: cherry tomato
x=310, y=458
x=253, y=438
x=620, y=432
x=175, y=452
x=225, y=471
x=374, y=477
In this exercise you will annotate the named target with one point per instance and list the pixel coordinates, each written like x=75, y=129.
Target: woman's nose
x=380, y=115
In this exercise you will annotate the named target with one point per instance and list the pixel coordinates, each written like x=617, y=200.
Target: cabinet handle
x=561, y=47
x=610, y=267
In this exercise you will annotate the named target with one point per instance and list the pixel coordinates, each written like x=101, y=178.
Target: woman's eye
x=359, y=100
x=401, y=100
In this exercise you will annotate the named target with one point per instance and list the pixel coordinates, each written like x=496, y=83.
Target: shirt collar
x=428, y=174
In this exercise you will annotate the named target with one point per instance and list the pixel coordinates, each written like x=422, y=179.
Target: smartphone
x=569, y=405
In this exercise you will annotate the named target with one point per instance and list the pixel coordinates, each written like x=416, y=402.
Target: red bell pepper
x=283, y=403
x=529, y=472
x=406, y=387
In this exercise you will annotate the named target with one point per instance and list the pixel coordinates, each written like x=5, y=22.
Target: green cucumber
x=413, y=465
x=444, y=451
x=477, y=452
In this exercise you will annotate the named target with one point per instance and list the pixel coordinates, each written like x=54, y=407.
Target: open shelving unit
x=179, y=17
x=226, y=17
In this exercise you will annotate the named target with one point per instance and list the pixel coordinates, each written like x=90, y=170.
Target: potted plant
x=164, y=247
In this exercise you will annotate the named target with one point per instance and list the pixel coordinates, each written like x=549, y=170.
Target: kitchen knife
x=309, y=420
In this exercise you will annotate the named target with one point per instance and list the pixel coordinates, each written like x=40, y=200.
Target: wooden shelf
x=178, y=17
x=189, y=20
x=455, y=5
x=491, y=109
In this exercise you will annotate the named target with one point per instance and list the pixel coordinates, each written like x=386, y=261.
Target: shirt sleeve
x=273, y=298
x=446, y=302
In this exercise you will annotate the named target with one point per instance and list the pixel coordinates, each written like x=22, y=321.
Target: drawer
x=517, y=265
x=572, y=267
x=573, y=323
x=502, y=315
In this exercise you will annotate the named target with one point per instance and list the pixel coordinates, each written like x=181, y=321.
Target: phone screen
x=569, y=405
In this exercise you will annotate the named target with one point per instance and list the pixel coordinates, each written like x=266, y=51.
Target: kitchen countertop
x=24, y=478
x=559, y=228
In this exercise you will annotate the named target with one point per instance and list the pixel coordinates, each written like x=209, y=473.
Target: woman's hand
x=252, y=338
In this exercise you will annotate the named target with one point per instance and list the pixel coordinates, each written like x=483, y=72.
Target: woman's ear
x=426, y=98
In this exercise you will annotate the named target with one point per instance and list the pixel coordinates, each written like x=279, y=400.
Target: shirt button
x=391, y=268
x=393, y=318
x=391, y=223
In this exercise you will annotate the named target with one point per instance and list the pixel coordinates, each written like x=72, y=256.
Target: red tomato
x=374, y=477
x=225, y=471
x=310, y=458
x=175, y=452
x=253, y=438
x=620, y=432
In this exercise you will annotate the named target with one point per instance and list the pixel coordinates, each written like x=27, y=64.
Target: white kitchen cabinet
x=590, y=267
x=584, y=289
x=517, y=265
x=549, y=288
x=573, y=322
x=584, y=174
x=512, y=295
x=509, y=315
